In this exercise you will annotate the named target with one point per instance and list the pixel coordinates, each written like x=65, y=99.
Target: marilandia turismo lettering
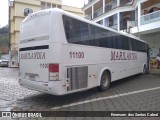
x=117, y=55
x=34, y=55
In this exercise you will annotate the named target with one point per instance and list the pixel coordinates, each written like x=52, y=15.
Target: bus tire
x=144, y=70
x=105, y=81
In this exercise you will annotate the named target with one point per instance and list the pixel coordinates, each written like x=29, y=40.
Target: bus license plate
x=31, y=77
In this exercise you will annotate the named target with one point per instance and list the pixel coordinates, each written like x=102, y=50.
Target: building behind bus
x=138, y=17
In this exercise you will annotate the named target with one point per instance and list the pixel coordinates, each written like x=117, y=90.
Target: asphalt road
x=136, y=93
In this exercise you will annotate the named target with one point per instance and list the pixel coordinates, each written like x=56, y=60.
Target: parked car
x=4, y=63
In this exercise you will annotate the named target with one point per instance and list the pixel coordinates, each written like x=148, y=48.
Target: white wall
x=153, y=40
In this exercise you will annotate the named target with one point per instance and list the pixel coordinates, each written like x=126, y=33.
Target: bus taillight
x=53, y=71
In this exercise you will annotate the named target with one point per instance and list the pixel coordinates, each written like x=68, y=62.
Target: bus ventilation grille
x=77, y=77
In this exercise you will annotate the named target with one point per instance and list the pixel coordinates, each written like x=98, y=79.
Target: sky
x=75, y=3
x=3, y=12
x=4, y=9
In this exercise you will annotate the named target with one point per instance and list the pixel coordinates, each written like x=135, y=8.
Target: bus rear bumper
x=51, y=87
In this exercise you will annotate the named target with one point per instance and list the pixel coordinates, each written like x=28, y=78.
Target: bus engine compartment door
x=78, y=77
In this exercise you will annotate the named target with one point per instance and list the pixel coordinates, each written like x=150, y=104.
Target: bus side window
x=125, y=44
x=120, y=42
x=84, y=33
x=95, y=33
x=67, y=29
x=144, y=48
x=133, y=44
x=110, y=42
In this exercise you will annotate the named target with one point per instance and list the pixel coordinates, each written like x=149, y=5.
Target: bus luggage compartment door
x=78, y=77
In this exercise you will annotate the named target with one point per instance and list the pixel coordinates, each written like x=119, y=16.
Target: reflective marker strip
x=104, y=98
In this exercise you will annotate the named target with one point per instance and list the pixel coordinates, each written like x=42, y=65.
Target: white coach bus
x=60, y=53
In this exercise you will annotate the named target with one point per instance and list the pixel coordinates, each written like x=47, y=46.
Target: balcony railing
x=110, y=6
x=125, y=2
x=131, y=24
x=151, y=17
x=98, y=12
x=115, y=27
x=89, y=17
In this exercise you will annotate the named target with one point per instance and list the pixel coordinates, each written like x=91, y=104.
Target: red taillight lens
x=53, y=71
x=53, y=67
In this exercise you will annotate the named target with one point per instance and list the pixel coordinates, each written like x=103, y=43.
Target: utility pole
x=9, y=29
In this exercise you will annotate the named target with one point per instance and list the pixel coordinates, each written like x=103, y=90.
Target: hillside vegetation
x=4, y=40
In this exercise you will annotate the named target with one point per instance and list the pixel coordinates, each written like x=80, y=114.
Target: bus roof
x=84, y=20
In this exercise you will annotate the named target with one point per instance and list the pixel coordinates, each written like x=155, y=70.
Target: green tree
x=4, y=39
x=4, y=29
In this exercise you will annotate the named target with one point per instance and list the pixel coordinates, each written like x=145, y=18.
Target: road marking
x=104, y=98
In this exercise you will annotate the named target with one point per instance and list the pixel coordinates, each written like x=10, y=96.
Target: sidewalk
x=154, y=70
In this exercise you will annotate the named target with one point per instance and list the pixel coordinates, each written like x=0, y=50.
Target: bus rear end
x=38, y=66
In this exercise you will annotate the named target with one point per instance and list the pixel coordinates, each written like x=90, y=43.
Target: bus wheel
x=105, y=81
x=144, y=70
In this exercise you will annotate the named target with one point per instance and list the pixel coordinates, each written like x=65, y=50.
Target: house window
x=48, y=5
x=111, y=21
x=53, y=6
x=43, y=5
x=59, y=6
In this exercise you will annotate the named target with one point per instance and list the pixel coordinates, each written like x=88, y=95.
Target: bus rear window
x=35, y=27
